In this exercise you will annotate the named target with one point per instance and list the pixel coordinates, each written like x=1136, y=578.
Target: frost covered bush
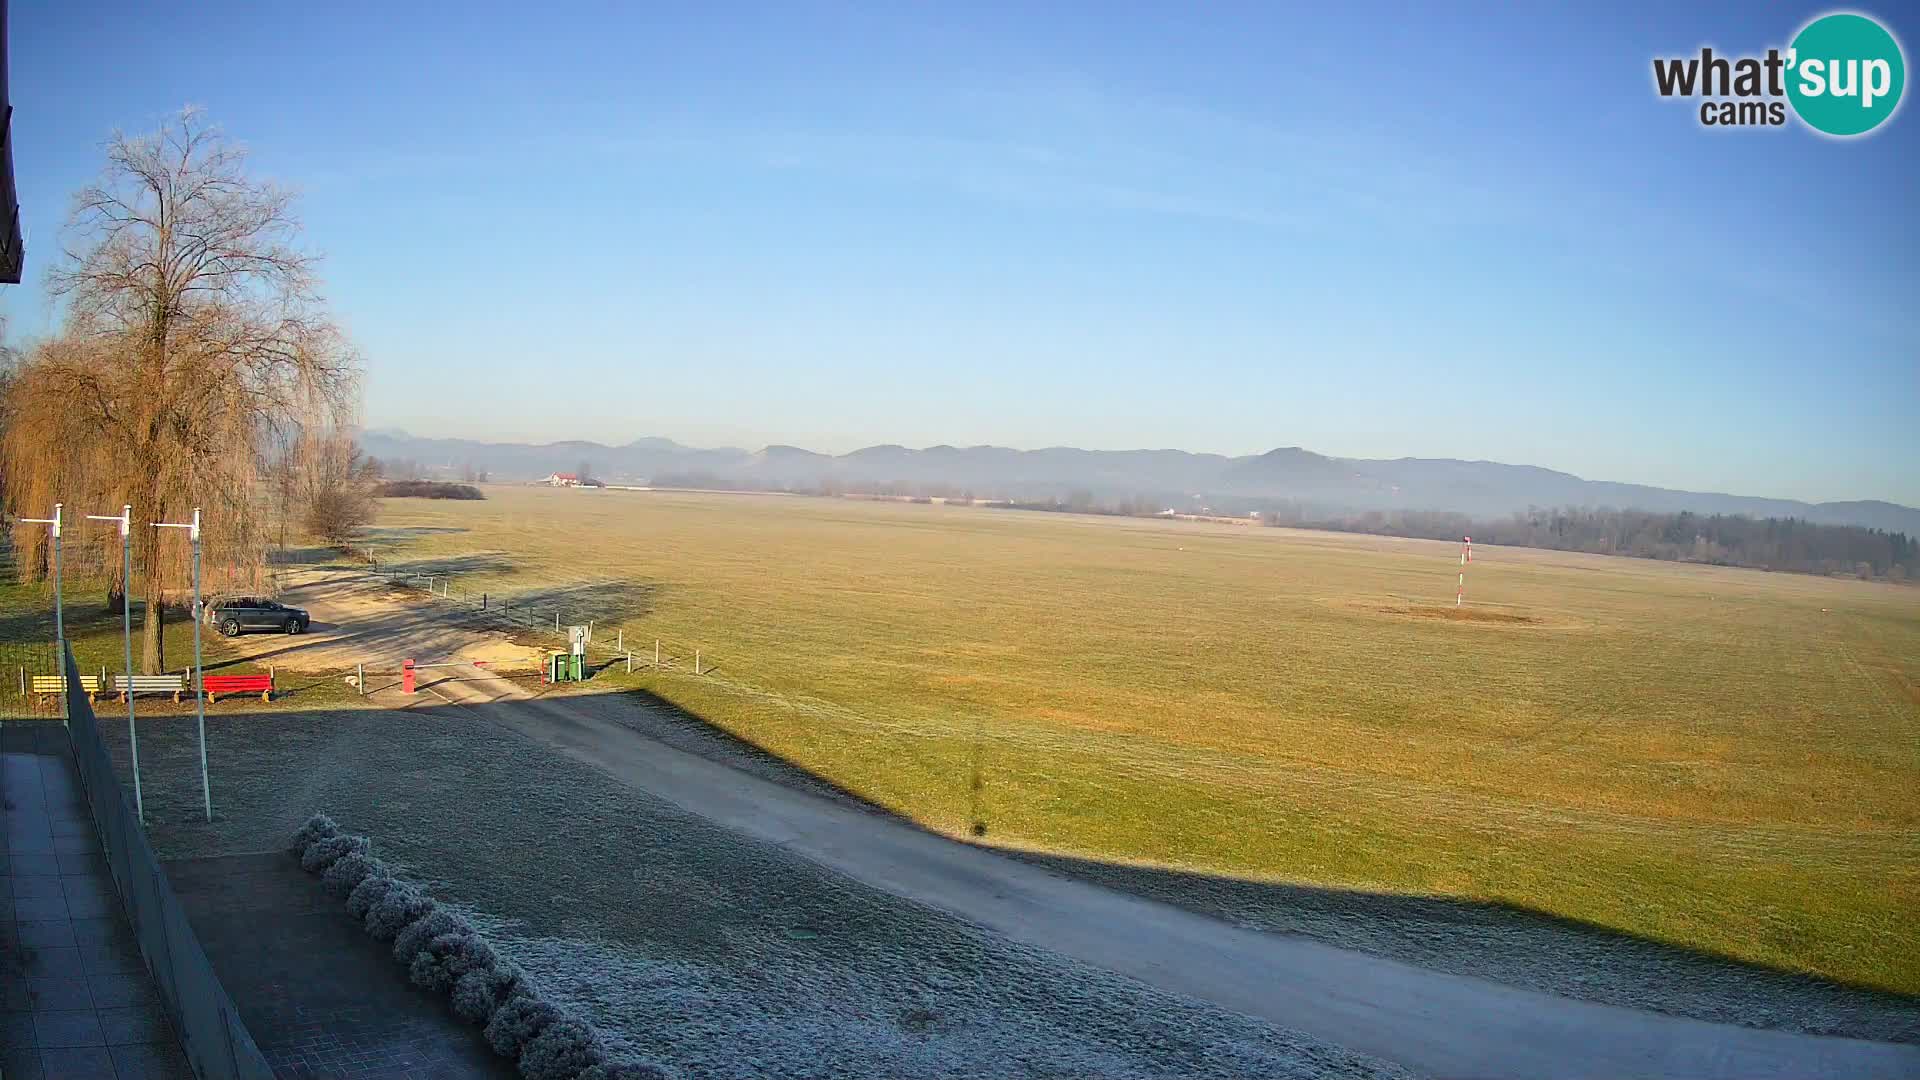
x=469, y=954
x=442, y=952
x=434, y=965
x=561, y=1052
x=393, y=912
x=318, y=827
x=515, y=1023
x=346, y=874
x=369, y=891
x=481, y=992
x=421, y=932
x=322, y=853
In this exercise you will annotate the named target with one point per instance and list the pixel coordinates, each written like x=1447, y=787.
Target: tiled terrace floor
x=79, y=1003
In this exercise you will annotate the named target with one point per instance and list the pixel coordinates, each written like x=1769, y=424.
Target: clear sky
x=1370, y=231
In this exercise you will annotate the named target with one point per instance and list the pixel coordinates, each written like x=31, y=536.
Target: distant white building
x=562, y=479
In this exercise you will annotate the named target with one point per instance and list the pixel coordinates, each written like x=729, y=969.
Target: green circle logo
x=1845, y=74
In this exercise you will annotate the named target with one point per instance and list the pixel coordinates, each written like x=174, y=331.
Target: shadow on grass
x=377, y=536
x=454, y=566
x=607, y=601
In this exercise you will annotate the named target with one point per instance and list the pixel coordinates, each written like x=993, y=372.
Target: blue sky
x=1368, y=230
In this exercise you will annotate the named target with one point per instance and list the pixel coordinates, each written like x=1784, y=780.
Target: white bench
x=150, y=684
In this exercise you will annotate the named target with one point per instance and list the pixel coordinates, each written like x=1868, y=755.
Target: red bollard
x=406, y=676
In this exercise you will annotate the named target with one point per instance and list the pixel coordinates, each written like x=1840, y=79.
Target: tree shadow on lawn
x=454, y=566
x=379, y=535
x=307, y=555
x=1497, y=940
x=609, y=601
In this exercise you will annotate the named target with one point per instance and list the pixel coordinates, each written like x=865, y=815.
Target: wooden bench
x=215, y=685
x=150, y=684
x=57, y=684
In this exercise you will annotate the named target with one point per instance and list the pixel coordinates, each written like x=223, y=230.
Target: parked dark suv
x=241, y=613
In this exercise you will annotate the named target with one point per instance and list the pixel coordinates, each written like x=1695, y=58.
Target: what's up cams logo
x=1842, y=76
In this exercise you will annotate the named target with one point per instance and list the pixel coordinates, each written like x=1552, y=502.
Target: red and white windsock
x=1466, y=556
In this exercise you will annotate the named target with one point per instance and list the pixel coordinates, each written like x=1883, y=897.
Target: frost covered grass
x=977, y=1008
x=683, y=944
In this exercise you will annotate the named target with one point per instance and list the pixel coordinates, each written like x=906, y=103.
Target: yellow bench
x=57, y=684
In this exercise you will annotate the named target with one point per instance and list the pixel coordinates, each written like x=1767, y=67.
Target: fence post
x=656, y=654
x=556, y=622
x=360, y=678
x=620, y=641
x=483, y=601
x=696, y=661
x=629, y=661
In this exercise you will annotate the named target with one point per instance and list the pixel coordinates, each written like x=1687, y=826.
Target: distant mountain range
x=1289, y=475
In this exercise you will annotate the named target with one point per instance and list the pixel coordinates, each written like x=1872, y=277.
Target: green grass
x=1718, y=759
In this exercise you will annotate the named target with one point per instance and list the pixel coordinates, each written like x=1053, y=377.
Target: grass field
x=1718, y=759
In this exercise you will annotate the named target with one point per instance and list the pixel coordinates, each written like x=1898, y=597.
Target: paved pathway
x=79, y=1002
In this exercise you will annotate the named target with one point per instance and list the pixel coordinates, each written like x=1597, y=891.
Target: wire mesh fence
x=216, y=1042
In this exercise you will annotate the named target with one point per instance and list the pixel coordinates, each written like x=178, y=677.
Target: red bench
x=215, y=685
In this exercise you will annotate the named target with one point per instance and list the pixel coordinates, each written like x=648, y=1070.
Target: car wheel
x=231, y=628
x=293, y=626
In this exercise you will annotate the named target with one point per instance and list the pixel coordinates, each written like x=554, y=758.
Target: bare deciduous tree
x=193, y=332
x=335, y=487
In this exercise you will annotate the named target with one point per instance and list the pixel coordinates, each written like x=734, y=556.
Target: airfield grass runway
x=1722, y=760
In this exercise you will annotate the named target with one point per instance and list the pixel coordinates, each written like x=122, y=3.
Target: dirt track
x=1429, y=1021
x=358, y=620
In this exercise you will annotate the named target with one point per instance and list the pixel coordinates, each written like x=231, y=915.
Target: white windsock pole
x=1466, y=556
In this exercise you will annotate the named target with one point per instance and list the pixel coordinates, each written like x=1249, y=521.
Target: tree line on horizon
x=1788, y=544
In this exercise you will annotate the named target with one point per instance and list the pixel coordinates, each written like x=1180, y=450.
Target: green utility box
x=566, y=667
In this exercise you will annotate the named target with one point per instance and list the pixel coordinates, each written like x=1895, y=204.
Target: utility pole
x=59, y=610
x=199, y=674
x=124, y=519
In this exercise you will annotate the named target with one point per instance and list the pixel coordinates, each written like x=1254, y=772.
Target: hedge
x=441, y=951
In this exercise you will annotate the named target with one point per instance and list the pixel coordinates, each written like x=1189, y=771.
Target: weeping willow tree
x=193, y=332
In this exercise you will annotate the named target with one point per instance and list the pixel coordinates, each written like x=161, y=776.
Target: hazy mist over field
x=1481, y=488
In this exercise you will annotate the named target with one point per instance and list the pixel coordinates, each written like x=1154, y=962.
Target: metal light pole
x=59, y=611
x=124, y=519
x=199, y=676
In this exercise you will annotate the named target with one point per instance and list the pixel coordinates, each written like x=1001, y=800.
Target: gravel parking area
x=685, y=943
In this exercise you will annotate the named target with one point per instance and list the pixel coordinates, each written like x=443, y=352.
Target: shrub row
x=441, y=951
